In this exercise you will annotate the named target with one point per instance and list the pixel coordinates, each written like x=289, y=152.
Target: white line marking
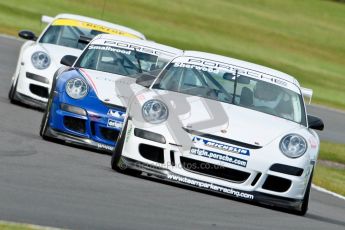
x=320, y=189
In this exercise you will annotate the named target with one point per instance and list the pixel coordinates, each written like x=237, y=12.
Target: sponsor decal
x=218, y=156
x=197, y=67
x=137, y=48
x=114, y=124
x=106, y=147
x=218, y=145
x=108, y=48
x=115, y=113
x=312, y=142
x=215, y=67
x=91, y=26
x=210, y=186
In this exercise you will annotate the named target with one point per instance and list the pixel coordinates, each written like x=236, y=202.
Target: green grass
x=4, y=225
x=332, y=152
x=302, y=38
x=331, y=178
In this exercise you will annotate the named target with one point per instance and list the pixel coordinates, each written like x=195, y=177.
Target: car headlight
x=155, y=111
x=293, y=145
x=40, y=60
x=76, y=88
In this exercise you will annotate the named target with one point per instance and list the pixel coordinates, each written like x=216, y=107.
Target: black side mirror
x=84, y=39
x=315, y=123
x=145, y=80
x=68, y=60
x=28, y=35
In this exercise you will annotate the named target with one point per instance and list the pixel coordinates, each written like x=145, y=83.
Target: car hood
x=111, y=88
x=226, y=120
x=57, y=52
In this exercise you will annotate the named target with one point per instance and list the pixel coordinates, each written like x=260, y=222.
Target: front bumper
x=86, y=123
x=30, y=101
x=79, y=141
x=167, y=175
x=249, y=176
x=33, y=91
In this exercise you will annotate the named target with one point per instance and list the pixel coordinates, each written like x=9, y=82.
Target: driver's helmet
x=266, y=92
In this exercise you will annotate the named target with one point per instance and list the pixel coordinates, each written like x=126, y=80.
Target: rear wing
x=307, y=94
x=46, y=19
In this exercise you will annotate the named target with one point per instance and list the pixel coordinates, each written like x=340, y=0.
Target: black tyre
x=116, y=162
x=46, y=117
x=44, y=124
x=305, y=202
x=12, y=92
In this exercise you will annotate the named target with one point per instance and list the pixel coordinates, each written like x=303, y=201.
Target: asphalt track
x=56, y=185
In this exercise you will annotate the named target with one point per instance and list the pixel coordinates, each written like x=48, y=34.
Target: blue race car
x=87, y=103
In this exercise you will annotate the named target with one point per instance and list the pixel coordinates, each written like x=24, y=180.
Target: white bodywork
x=240, y=124
x=117, y=89
x=55, y=52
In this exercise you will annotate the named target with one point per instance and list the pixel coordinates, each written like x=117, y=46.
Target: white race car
x=40, y=57
x=226, y=126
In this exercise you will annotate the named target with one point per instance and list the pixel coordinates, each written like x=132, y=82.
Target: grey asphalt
x=56, y=185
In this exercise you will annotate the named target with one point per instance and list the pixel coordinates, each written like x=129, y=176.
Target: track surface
x=56, y=185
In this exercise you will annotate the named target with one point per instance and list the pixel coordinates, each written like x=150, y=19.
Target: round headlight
x=293, y=145
x=40, y=60
x=155, y=111
x=76, y=88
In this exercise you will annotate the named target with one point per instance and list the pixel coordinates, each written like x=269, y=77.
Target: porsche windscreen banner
x=91, y=26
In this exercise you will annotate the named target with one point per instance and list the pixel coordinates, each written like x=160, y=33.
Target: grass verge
x=332, y=152
x=4, y=225
x=328, y=176
x=301, y=38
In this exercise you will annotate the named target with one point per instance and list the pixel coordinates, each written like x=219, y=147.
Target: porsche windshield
x=241, y=90
x=118, y=60
x=67, y=35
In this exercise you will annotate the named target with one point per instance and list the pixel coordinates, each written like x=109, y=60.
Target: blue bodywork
x=101, y=127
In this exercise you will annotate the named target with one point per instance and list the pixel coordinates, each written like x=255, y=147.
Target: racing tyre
x=45, y=119
x=12, y=92
x=116, y=163
x=305, y=201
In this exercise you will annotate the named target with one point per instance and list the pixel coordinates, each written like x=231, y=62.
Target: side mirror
x=68, y=60
x=28, y=35
x=84, y=39
x=315, y=123
x=145, y=80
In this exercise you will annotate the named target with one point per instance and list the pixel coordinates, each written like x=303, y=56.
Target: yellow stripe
x=91, y=26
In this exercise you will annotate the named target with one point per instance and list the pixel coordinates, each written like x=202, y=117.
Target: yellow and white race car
x=39, y=57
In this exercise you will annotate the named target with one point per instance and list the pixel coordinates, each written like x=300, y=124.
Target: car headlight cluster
x=293, y=145
x=155, y=111
x=40, y=60
x=76, y=88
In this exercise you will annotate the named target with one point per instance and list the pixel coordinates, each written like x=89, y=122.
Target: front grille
x=109, y=134
x=37, y=77
x=39, y=90
x=75, y=124
x=152, y=153
x=93, y=129
x=286, y=169
x=214, y=170
x=276, y=184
